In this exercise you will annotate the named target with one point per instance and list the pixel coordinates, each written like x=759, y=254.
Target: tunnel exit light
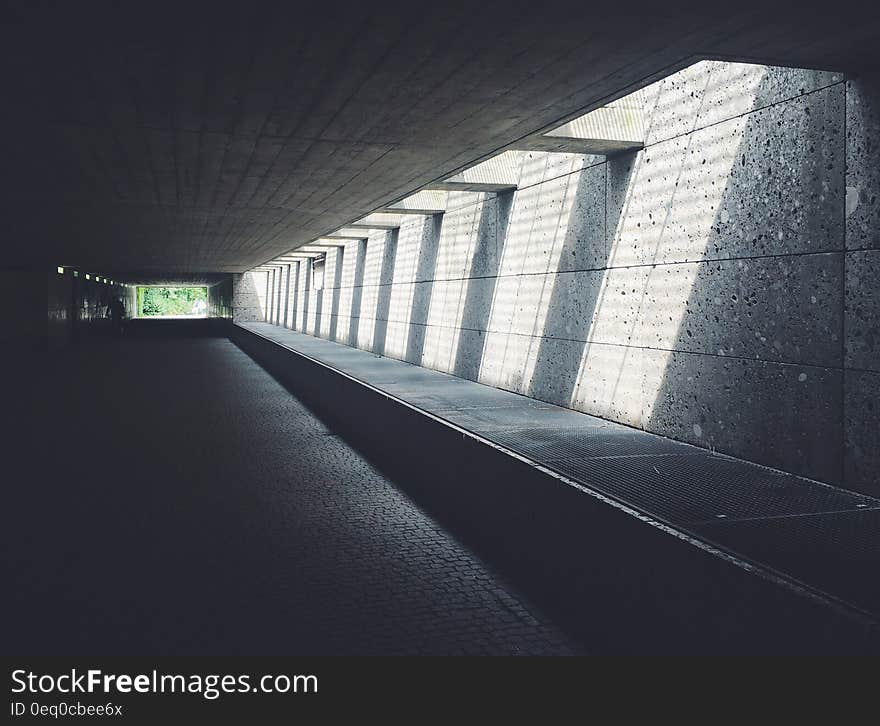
x=161, y=301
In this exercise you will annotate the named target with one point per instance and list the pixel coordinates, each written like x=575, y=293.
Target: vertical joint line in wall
x=605, y=213
x=843, y=436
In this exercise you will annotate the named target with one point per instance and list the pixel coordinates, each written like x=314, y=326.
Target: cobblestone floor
x=190, y=504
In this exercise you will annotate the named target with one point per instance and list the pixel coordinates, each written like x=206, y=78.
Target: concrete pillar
x=280, y=308
x=357, y=291
x=336, y=282
x=268, y=295
x=290, y=320
x=306, y=292
x=861, y=383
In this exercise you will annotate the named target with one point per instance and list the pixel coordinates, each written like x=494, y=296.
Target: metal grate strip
x=690, y=489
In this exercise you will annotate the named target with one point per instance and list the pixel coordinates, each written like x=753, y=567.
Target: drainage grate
x=838, y=553
x=588, y=441
x=688, y=489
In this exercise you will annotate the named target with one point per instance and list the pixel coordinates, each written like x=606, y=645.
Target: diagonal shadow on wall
x=319, y=299
x=306, y=288
x=577, y=292
x=426, y=268
x=336, y=290
x=296, y=272
x=285, y=297
x=383, y=299
x=482, y=280
x=357, y=291
x=722, y=380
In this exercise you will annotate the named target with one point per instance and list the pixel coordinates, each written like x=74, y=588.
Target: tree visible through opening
x=172, y=302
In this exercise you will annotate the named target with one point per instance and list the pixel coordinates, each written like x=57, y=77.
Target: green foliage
x=170, y=300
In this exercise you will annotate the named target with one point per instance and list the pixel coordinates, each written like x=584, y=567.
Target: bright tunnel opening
x=158, y=301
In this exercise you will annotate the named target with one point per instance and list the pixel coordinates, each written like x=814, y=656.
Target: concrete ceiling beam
x=351, y=232
x=320, y=247
x=424, y=202
x=376, y=226
x=498, y=174
x=614, y=128
x=448, y=186
x=296, y=257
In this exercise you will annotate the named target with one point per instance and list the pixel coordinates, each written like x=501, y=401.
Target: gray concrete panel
x=862, y=310
x=863, y=162
x=785, y=416
x=862, y=451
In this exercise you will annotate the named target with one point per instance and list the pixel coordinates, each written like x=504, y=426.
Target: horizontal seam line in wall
x=598, y=269
x=749, y=112
x=852, y=369
x=595, y=342
x=545, y=180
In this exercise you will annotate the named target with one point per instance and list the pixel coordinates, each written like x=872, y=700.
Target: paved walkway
x=814, y=534
x=178, y=500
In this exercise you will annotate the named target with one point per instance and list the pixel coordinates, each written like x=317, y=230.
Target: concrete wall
x=22, y=303
x=62, y=309
x=90, y=300
x=44, y=309
x=695, y=289
x=220, y=299
x=249, y=297
x=862, y=311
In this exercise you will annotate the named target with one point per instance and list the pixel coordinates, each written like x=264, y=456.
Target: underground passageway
x=183, y=502
x=458, y=328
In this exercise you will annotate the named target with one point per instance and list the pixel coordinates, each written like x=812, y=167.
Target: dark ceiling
x=145, y=139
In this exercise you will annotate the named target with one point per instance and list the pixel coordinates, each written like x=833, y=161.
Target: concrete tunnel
x=496, y=331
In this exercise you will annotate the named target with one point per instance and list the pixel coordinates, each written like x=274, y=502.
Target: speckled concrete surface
x=685, y=287
x=181, y=501
x=862, y=170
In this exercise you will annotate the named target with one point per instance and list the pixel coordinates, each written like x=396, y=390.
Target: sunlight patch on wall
x=332, y=259
x=455, y=251
x=409, y=243
x=259, y=282
x=346, y=293
x=291, y=295
x=303, y=296
x=370, y=293
x=536, y=235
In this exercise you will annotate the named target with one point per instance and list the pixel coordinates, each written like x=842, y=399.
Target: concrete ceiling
x=195, y=279
x=211, y=139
